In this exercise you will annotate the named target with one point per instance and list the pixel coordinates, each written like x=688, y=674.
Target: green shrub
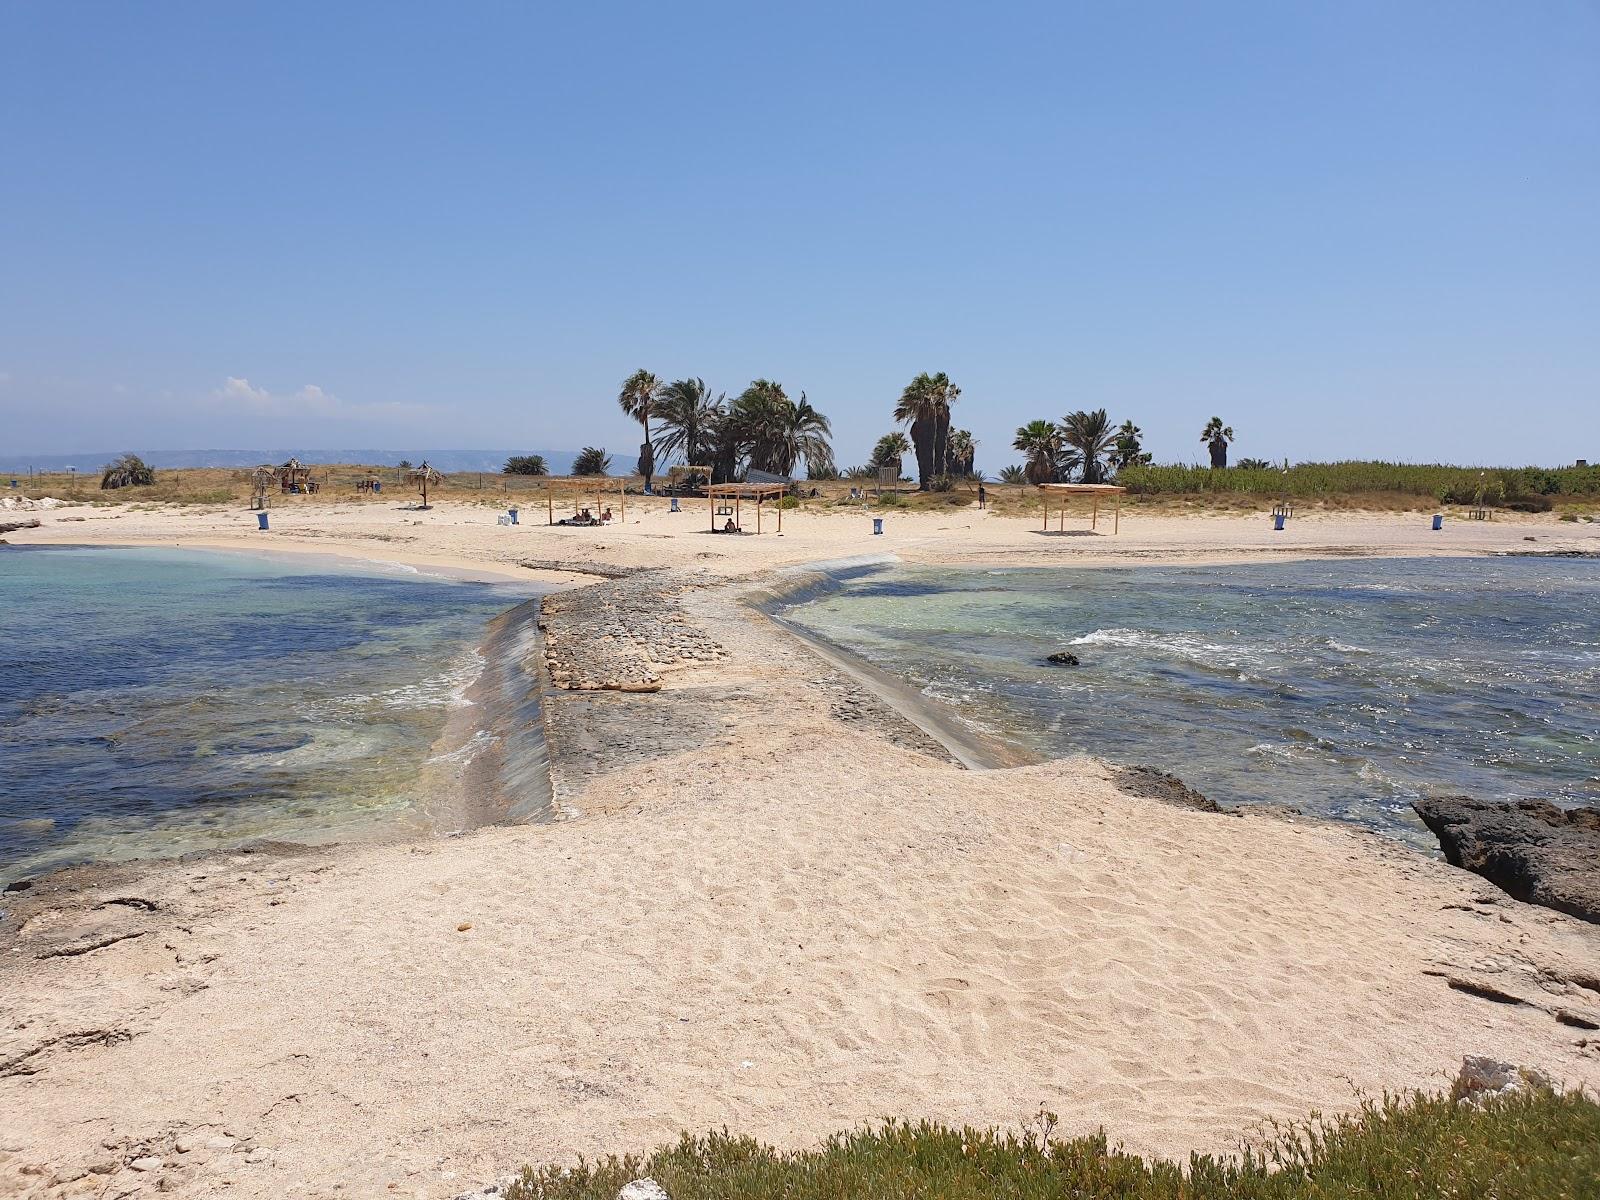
x=1527, y=1146
x=890, y=500
x=1448, y=485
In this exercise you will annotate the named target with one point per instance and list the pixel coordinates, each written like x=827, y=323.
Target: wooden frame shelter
x=368, y=482
x=1095, y=490
x=581, y=484
x=294, y=476
x=262, y=481
x=737, y=492
x=420, y=476
x=686, y=471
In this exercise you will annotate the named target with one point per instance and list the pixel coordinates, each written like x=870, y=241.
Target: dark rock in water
x=1151, y=784
x=1063, y=658
x=1531, y=849
x=19, y=885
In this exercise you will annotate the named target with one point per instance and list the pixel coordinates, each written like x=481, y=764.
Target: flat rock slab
x=1531, y=849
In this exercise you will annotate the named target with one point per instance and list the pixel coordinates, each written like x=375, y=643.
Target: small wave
x=1178, y=645
x=475, y=745
x=446, y=690
x=1344, y=647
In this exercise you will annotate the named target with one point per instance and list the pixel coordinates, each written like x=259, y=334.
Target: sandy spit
x=789, y=927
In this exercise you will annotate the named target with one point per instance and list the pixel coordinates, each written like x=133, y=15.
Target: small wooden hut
x=422, y=477
x=732, y=497
x=1094, y=490
x=294, y=477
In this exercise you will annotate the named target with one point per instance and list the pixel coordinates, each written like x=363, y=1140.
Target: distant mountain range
x=91, y=461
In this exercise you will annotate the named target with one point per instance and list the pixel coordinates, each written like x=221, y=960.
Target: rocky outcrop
x=1063, y=658
x=1531, y=849
x=13, y=526
x=1151, y=784
x=614, y=636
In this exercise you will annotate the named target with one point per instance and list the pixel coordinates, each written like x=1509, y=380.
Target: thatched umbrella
x=262, y=480
x=128, y=471
x=421, y=476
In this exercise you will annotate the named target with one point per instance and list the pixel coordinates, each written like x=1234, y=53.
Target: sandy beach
x=773, y=903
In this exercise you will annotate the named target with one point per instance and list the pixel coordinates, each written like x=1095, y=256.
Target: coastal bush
x=1523, y=1146
x=128, y=471
x=1447, y=484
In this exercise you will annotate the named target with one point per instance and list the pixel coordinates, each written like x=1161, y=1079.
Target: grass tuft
x=1526, y=1146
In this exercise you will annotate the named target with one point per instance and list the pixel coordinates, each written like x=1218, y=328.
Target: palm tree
x=890, y=450
x=526, y=464
x=778, y=432
x=591, y=460
x=925, y=407
x=1041, y=442
x=963, y=450
x=638, y=390
x=1254, y=464
x=1091, y=435
x=1216, y=436
x=1013, y=474
x=688, y=415
x=1129, y=450
x=128, y=471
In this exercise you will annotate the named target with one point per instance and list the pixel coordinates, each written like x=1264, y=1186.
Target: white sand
x=794, y=930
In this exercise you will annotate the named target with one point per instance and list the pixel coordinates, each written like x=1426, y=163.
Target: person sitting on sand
x=605, y=516
x=730, y=527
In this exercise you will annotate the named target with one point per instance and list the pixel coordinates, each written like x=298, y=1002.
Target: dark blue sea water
x=1344, y=688
x=154, y=702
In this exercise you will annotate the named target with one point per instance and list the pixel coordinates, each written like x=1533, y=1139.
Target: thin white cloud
x=309, y=400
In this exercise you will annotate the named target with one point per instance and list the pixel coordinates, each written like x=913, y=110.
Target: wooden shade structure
x=294, y=476
x=421, y=477
x=1094, y=490
x=262, y=481
x=675, y=475
x=579, y=485
x=738, y=492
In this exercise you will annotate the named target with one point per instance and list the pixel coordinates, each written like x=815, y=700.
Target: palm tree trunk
x=649, y=450
x=922, y=439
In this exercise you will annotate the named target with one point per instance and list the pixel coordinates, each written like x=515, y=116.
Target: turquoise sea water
x=154, y=702
x=1344, y=688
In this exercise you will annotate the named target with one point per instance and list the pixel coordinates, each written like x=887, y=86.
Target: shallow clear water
x=160, y=701
x=1343, y=688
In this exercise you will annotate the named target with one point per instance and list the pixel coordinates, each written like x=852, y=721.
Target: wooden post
x=622, y=501
x=759, y=498
x=1094, y=512
x=1116, y=521
x=738, y=519
x=1045, y=496
x=550, y=504
x=780, y=514
x=711, y=499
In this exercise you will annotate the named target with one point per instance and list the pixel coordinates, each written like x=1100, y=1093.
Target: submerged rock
x=1531, y=849
x=1063, y=658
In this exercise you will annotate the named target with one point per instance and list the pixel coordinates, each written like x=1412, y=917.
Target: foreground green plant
x=1527, y=1146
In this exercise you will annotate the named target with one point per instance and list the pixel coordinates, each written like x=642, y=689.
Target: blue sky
x=1352, y=230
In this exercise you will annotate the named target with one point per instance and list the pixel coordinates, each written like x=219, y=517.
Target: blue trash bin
x=377, y=485
x=877, y=525
x=261, y=520
x=1438, y=522
x=1277, y=520
x=512, y=513
x=13, y=483
x=675, y=504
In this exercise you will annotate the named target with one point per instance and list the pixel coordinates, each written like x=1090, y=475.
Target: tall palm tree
x=1129, y=450
x=638, y=390
x=1091, y=435
x=925, y=407
x=1216, y=436
x=1041, y=442
x=780, y=432
x=891, y=451
x=687, y=414
x=963, y=451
